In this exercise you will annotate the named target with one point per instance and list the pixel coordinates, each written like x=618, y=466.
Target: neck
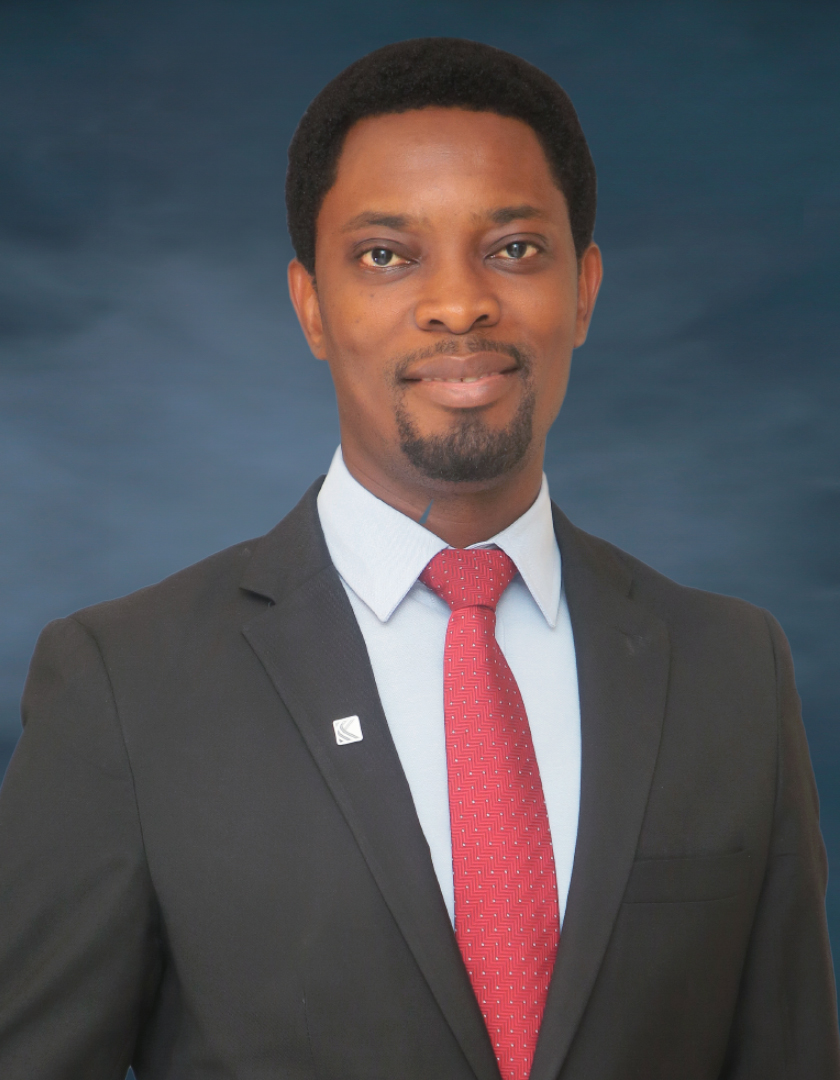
x=459, y=513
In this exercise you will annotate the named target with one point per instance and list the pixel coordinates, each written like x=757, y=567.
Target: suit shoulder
x=188, y=594
x=676, y=603
x=209, y=601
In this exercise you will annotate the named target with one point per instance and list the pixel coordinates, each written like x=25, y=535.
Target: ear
x=304, y=297
x=589, y=282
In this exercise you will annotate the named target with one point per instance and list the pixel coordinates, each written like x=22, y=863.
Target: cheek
x=360, y=346
x=362, y=325
x=545, y=306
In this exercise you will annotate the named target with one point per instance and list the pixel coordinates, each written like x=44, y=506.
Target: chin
x=472, y=452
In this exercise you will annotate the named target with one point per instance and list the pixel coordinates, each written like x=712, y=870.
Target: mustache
x=463, y=347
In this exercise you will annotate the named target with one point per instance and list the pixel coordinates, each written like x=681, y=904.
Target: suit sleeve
x=78, y=925
x=786, y=1022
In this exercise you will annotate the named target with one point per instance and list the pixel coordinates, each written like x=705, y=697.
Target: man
x=426, y=782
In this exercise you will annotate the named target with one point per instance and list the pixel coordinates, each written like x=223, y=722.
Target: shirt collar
x=380, y=552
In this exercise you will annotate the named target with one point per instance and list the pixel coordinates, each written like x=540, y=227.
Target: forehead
x=426, y=156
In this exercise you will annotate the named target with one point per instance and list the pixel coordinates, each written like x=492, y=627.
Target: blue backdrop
x=157, y=401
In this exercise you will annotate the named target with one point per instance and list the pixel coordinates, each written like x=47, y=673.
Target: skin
x=444, y=252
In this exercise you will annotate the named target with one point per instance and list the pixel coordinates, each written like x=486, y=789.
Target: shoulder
x=189, y=614
x=699, y=620
x=200, y=611
x=229, y=585
x=672, y=599
x=192, y=588
x=190, y=594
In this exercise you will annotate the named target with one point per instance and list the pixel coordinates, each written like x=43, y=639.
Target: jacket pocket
x=683, y=880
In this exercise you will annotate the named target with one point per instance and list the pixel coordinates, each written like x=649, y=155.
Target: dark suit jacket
x=194, y=877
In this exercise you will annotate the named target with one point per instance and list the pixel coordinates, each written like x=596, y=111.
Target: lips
x=466, y=379
x=477, y=380
x=461, y=369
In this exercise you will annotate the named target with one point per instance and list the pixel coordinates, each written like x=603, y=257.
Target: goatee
x=471, y=451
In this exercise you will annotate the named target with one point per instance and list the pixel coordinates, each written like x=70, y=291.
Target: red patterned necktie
x=507, y=920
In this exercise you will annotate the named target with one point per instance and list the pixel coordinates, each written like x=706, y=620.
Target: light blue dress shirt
x=379, y=554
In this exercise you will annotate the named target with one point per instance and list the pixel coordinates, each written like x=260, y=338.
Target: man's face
x=447, y=298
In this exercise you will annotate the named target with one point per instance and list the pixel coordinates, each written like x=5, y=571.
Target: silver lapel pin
x=347, y=730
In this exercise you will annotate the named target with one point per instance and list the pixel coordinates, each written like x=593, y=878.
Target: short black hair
x=442, y=72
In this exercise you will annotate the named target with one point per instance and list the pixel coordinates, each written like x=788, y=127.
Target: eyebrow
x=372, y=217
x=505, y=214
x=502, y=215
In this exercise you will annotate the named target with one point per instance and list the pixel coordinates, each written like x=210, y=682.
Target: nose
x=457, y=299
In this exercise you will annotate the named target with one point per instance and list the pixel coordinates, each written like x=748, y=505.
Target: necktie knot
x=469, y=577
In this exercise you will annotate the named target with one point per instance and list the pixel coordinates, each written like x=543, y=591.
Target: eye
x=382, y=257
x=517, y=250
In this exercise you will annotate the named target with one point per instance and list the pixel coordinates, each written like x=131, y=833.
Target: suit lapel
x=623, y=662
x=312, y=649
